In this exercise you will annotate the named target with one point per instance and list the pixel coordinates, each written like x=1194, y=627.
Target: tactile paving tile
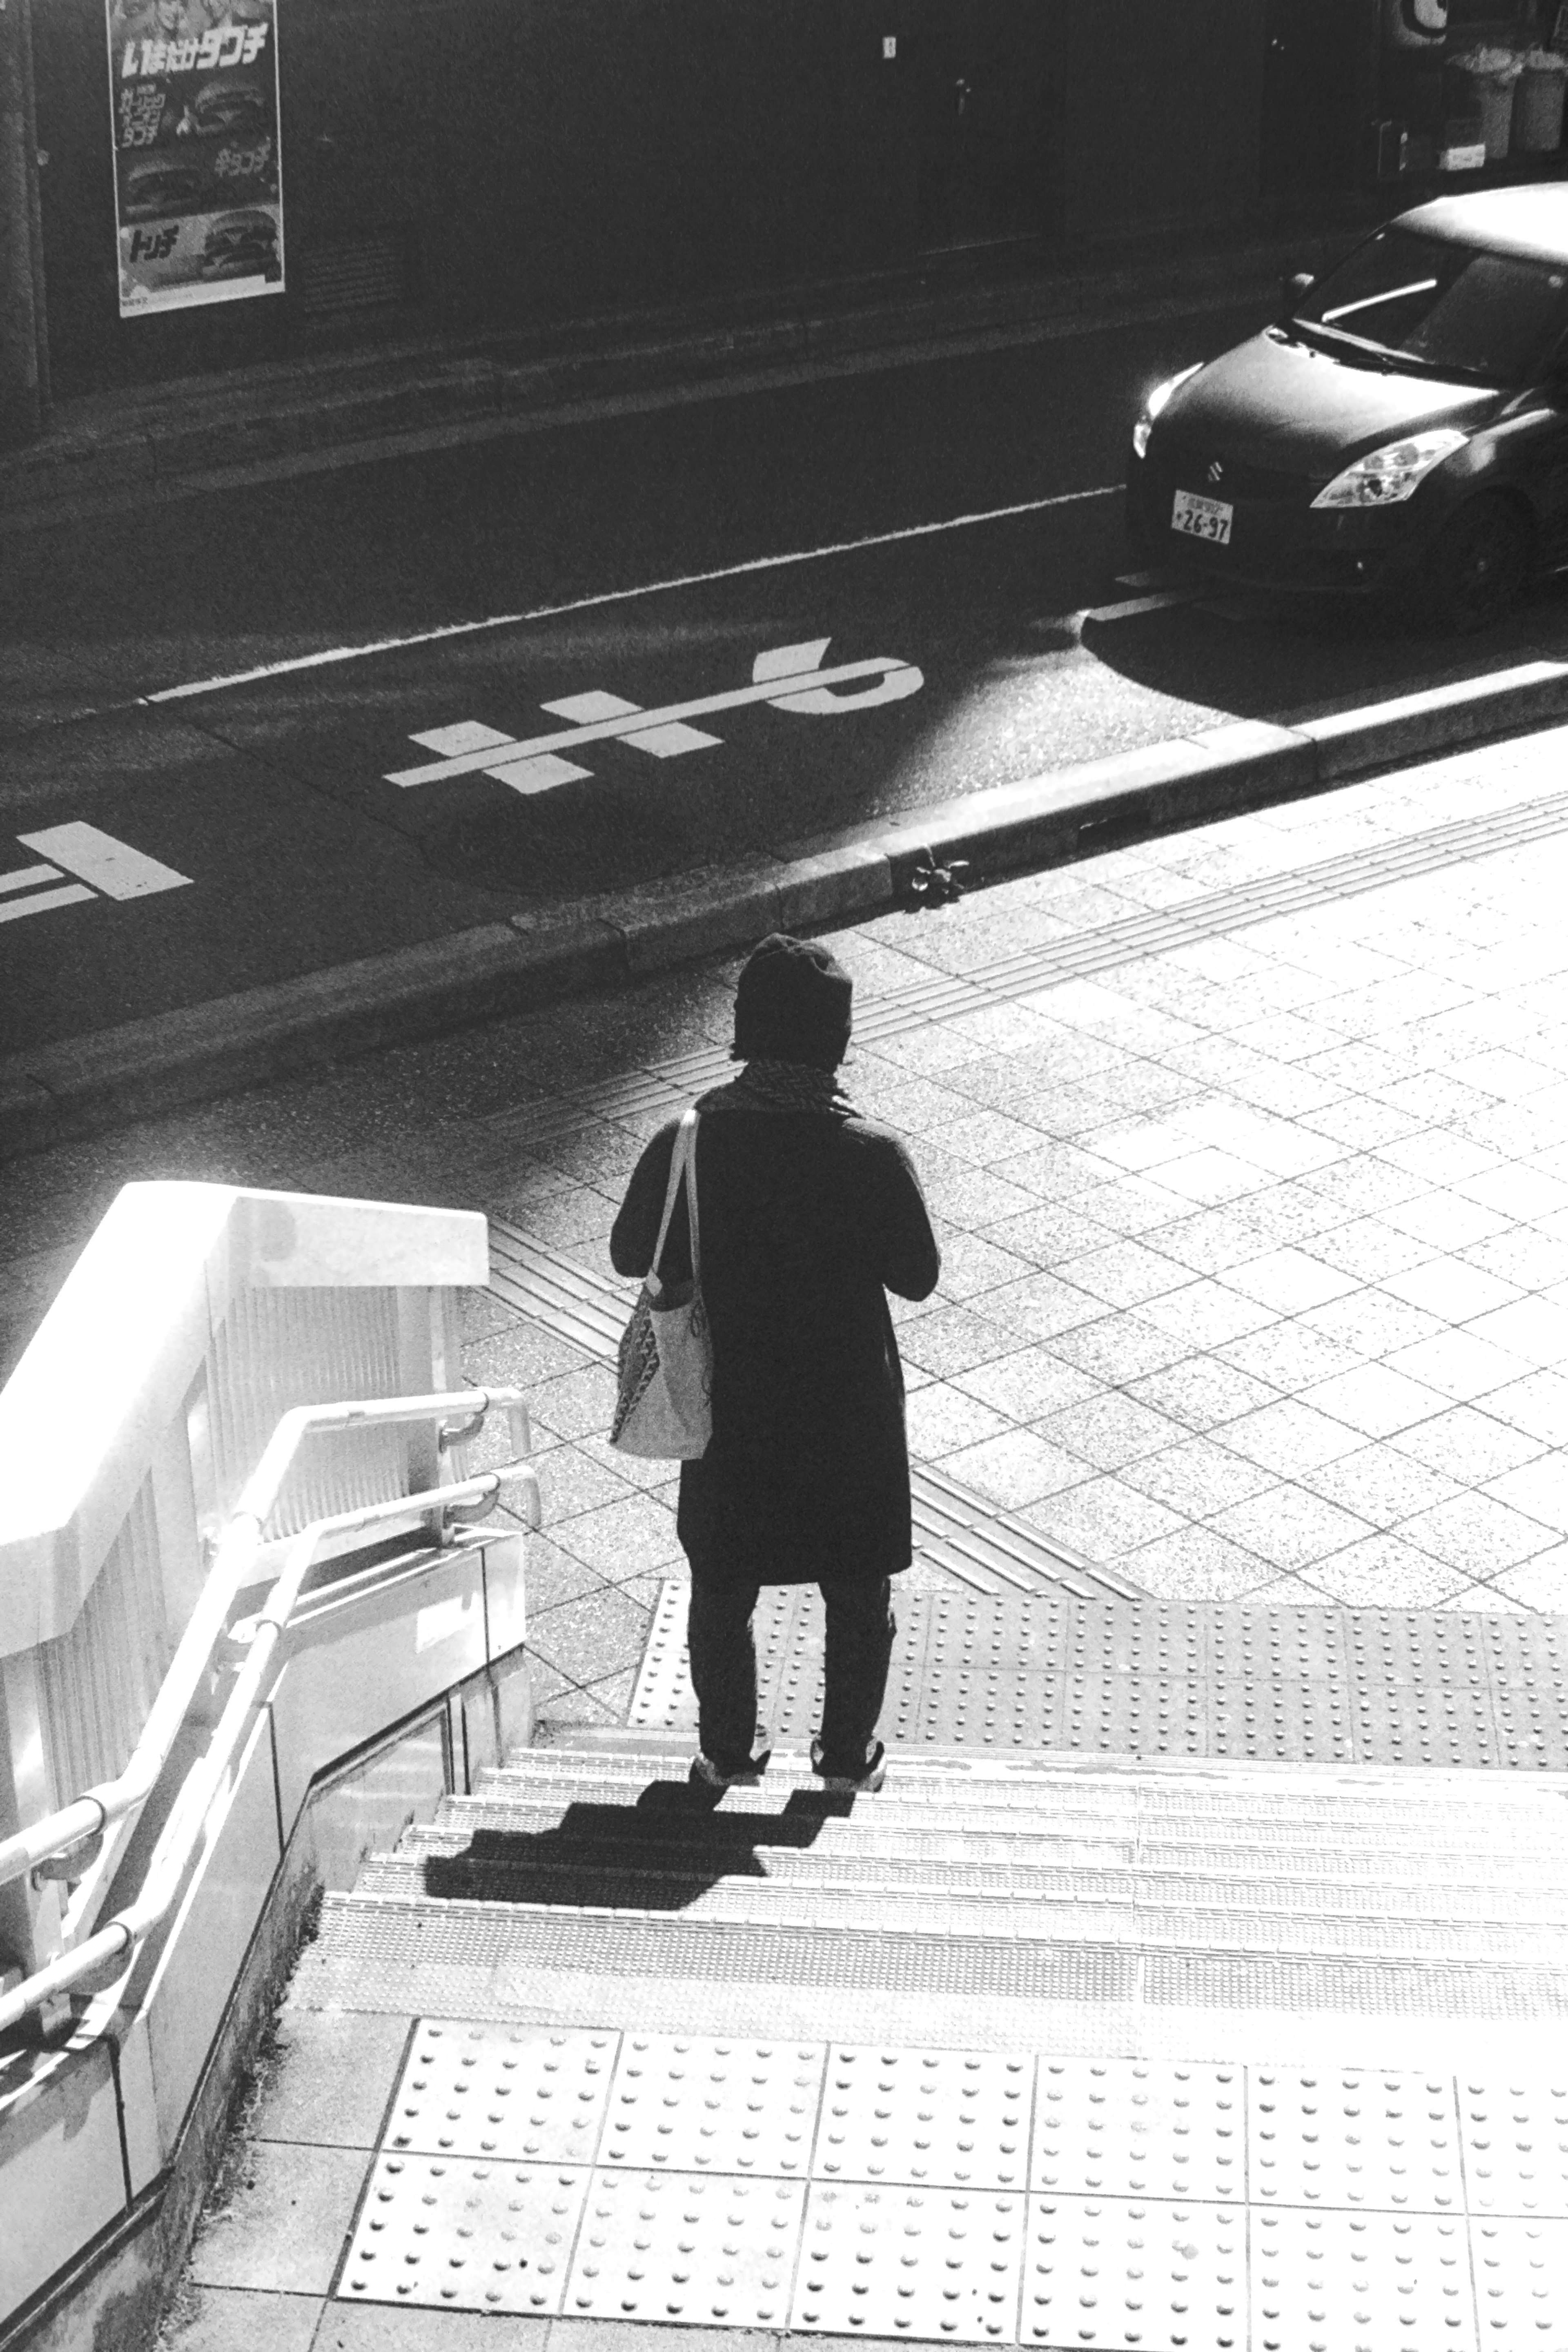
x=1361, y=2282
x=1420, y=1691
x=1522, y=2284
x=688, y=2104
x=1280, y=1684
x=473, y=2237
x=1526, y=1668
x=1132, y=2128
x=1111, y=1676
x=940, y=2118
x=1515, y=2138
x=1136, y=2272
x=671, y=2246
x=531, y=2093
x=920, y=2263
x=1334, y=2137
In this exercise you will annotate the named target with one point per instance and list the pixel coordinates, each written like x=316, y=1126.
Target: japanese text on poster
x=198, y=196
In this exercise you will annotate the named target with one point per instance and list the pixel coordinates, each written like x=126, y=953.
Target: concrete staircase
x=1176, y=2056
x=1214, y=1910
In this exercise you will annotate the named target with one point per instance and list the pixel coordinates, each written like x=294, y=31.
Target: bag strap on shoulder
x=682, y=1162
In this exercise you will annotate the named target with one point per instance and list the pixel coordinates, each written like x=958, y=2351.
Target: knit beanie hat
x=792, y=1004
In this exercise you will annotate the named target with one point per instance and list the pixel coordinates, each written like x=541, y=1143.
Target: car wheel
x=1480, y=566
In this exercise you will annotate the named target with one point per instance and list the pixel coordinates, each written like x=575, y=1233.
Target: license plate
x=1202, y=517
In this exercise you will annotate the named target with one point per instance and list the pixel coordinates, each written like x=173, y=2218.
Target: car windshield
x=1433, y=305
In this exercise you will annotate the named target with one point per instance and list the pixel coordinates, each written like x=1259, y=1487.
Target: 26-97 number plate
x=1198, y=517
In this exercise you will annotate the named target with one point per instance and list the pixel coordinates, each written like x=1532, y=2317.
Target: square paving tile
x=1288, y=1437
x=937, y=2118
x=1197, y=1477
x=1106, y=2272
x=1380, y=1484
x=690, y=2103
x=1469, y=1445
x=1196, y=1564
x=1202, y=1391
x=1118, y=1349
x=913, y=2263
x=1107, y=1430
x=1288, y=1527
x=1027, y=1383
x=1329, y=2279
x=1138, y=2128
x=1376, y=1400
x=1475, y=1533
x=1016, y=1468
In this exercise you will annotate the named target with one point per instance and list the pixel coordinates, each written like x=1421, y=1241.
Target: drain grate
x=1097, y=1676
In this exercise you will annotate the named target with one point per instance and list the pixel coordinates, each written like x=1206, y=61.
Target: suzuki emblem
x=1216, y=471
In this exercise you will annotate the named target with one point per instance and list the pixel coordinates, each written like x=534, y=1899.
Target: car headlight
x=1154, y=404
x=1386, y=475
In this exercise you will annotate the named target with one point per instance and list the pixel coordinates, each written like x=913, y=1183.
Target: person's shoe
x=706, y=1774
x=866, y=1782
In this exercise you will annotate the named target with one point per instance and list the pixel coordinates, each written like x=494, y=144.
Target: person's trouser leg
x=723, y=1658
x=859, y=1644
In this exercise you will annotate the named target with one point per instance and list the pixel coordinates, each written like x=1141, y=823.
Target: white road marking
x=540, y=774
x=71, y=894
x=26, y=878
x=665, y=743
x=1154, y=604
x=608, y=716
x=110, y=866
x=468, y=737
x=627, y=595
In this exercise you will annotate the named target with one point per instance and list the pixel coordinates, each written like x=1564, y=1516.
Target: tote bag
x=663, y=1408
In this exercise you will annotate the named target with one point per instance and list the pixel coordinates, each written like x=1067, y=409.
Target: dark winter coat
x=807, y=1220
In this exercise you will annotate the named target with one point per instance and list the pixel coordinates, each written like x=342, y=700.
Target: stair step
x=1240, y=1837
x=1227, y=1913
x=1483, y=1813
x=1066, y=1992
x=462, y=1849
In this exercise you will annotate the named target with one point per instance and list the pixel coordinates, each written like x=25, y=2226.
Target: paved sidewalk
x=1248, y=1149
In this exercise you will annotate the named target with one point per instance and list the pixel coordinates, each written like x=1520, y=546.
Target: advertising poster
x=198, y=195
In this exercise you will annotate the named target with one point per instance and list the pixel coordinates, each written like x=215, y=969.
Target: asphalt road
x=678, y=637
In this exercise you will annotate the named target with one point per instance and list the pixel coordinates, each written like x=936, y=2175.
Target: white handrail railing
x=86, y=1818
x=100, y=1958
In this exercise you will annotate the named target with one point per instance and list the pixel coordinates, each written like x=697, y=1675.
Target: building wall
x=500, y=164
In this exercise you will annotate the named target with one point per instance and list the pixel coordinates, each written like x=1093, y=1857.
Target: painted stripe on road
x=110, y=866
x=1131, y=605
x=25, y=877
x=623, y=595
x=630, y=720
x=71, y=894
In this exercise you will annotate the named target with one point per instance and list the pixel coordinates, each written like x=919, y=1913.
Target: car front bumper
x=1278, y=539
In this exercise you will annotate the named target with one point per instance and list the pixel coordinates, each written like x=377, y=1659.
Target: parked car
x=1402, y=428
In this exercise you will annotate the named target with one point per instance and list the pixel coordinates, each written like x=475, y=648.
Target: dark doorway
x=986, y=132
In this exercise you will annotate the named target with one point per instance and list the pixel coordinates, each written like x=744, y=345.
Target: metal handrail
x=100, y=1958
x=87, y=1817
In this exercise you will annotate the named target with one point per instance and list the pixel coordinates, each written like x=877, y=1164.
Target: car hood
x=1288, y=405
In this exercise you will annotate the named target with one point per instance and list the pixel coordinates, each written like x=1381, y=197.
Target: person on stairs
x=809, y=1215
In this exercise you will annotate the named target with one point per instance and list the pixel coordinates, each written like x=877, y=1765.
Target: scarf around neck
x=770, y=1085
